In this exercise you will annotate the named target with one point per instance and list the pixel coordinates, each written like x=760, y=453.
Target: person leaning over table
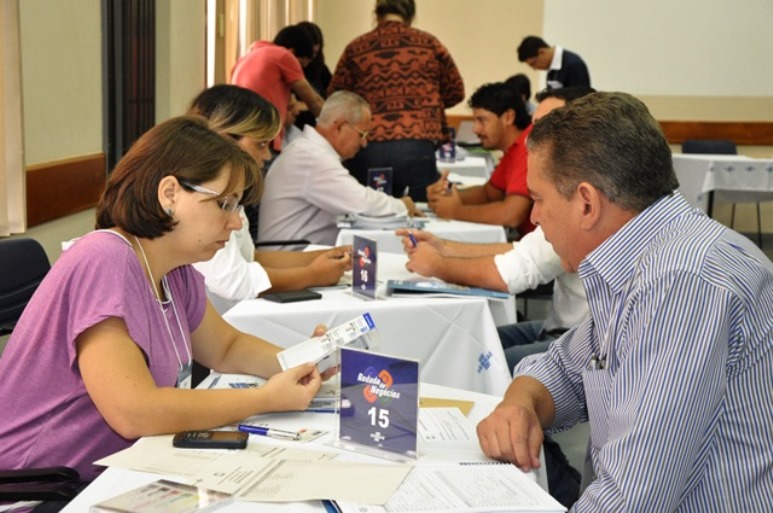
x=307, y=187
x=674, y=368
x=502, y=123
x=238, y=271
x=409, y=78
x=102, y=353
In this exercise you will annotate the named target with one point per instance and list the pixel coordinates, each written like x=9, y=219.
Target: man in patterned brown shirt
x=409, y=78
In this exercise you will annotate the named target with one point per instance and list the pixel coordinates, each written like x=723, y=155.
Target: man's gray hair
x=611, y=141
x=344, y=104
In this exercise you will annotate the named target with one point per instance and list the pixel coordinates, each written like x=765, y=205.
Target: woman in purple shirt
x=102, y=354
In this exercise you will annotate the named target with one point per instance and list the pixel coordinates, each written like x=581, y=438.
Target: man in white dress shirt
x=307, y=187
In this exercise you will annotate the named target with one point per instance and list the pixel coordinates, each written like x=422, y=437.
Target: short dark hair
x=529, y=47
x=297, y=39
x=406, y=9
x=498, y=97
x=522, y=83
x=182, y=147
x=568, y=94
x=611, y=141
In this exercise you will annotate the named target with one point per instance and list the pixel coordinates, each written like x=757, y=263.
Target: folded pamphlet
x=360, y=332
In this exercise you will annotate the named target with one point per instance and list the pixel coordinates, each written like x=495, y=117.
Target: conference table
x=729, y=178
x=454, y=339
x=449, y=229
x=116, y=480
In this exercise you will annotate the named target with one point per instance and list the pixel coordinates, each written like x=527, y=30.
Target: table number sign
x=383, y=392
x=380, y=178
x=364, y=277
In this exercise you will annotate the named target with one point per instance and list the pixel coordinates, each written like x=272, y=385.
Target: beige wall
x=180, y=55
x=702, y=60
x=61, y=55
x=61, y=79
x=481, y=35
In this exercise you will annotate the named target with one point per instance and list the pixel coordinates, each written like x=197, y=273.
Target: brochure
x=164, y=496
x=360, y=332
x=437, y=288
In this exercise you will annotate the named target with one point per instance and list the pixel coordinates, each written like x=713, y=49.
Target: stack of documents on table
x=438, y=288
x=265, y=472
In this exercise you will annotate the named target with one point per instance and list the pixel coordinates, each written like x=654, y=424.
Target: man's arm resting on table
x=473, y=272
x=513, y=431
x=511, y=211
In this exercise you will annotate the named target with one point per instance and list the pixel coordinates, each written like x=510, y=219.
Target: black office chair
x=23, y=265
x=720, y=147
x=543, y=292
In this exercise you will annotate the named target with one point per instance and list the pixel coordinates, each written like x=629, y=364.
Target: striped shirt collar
x=614, y=260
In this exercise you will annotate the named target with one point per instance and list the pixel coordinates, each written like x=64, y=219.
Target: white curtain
x=13, y=211
x=236, y=24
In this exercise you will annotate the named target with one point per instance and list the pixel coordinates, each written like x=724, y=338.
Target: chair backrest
x=23, y=265
x=710, y=146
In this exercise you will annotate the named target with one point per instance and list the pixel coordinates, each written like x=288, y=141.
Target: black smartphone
x=291, y=296
x=210, y=440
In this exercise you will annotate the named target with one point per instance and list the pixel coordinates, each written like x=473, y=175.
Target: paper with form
x=464, y=488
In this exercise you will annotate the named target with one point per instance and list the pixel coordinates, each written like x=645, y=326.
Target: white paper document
x=281, y=480
x=446, y=425
x=265, y=472
x=464, y=488
x=156, y=454
x=359, y=332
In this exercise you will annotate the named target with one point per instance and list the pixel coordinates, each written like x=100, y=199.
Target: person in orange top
x=409, y=78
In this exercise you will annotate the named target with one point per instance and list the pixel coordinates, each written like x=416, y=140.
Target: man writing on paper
x=307, y=187
x=673, y=369
x=501, y=123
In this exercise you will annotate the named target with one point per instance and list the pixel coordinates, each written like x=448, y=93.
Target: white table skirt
x=462, y=231
x=733, y=178
x=454, y=339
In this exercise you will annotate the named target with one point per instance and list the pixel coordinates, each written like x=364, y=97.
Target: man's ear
x=168, y=190
x=508, y=117
x=592, y=203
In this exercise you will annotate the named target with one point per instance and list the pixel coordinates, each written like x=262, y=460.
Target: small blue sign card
x=384, y=395
x=447, y=151
x=364, y=277
x=380, y=178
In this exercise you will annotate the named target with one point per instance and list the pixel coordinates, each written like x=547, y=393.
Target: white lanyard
x=168, y=293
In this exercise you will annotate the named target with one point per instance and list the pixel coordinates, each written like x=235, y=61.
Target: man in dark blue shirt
x=564, y=68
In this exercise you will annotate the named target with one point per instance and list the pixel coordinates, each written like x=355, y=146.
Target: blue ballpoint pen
x=270, y=432
x=413, y=239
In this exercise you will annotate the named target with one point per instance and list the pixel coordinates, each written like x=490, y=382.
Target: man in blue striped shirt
x=674, y=367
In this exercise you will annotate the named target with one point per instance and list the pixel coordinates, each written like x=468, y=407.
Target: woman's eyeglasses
x=228, y=204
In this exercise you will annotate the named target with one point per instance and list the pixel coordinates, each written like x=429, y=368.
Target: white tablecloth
x=454, y=339
x=733, y=178
x=463, y=231
x=115, y=481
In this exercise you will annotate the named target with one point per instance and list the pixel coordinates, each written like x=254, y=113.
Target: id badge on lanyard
x=185, y=376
